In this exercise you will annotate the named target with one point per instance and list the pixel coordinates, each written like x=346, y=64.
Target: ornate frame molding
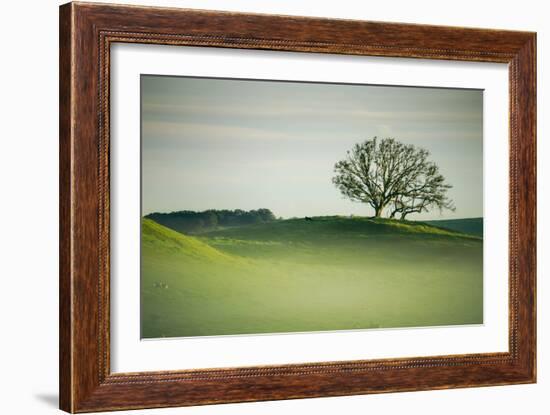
x=86, y=34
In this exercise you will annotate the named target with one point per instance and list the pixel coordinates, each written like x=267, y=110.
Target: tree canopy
x=388, y=174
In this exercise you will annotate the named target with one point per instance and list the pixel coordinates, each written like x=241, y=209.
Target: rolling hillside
x=472, y=226
x=330, y=273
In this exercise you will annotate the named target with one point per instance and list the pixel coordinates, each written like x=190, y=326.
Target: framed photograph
x=258, y=207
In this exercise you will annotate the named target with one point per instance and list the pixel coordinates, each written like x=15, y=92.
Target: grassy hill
x=331, y=273
x=472, y=226
x=161, y=240
x=336, y=226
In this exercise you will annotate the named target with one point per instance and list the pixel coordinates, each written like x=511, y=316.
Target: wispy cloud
x=178, y=130
x=183, y=111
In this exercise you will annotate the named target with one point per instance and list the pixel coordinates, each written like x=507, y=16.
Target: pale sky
x=246, y=144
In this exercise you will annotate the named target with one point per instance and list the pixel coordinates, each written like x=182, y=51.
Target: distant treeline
x=188, y=221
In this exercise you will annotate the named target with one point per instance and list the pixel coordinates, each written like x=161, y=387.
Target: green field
x=331, y=273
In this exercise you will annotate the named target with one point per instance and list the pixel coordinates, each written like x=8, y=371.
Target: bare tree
x=427, y=191
x=385, y=173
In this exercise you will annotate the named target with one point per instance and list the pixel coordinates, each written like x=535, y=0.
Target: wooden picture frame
x=86, y=33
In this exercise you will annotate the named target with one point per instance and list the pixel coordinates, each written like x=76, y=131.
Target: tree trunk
x=404, y=215
x=378, y=211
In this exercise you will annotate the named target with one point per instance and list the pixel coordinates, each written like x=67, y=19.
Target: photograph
x=273, y=206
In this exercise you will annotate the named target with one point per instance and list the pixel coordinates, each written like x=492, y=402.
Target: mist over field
x=331, y=273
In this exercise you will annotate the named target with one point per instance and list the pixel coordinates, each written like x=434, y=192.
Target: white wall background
x=29, y=193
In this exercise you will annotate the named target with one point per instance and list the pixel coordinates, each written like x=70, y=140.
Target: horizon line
x=297, y=217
